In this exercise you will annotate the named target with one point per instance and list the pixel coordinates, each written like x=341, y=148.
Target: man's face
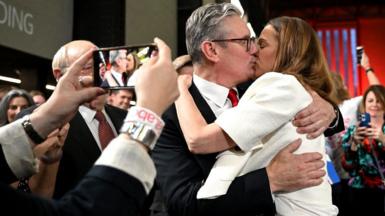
x=130, y=63
x=74, y=51
x=236, y=61
x=121, y=61
x=122, y=99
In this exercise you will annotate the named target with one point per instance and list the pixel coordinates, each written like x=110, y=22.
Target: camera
x=360, y=50
x=364, y=119
x=114, y=67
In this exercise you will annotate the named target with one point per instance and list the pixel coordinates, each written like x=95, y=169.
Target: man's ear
x=209, y=51
x=57, y=74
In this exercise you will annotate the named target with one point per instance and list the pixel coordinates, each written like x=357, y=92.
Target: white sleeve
x=271, y=101
x=18, y=149
x=131, y=158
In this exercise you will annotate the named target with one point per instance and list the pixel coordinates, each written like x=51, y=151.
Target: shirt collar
x=116, y=74
x=212, y=91
x=88, y=114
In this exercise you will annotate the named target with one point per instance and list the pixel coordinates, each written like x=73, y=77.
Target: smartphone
x=364, y=119
x=360, y=50
x=114, y=67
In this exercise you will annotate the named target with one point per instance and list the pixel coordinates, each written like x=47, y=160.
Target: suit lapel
x=203, y=107
x=116, y=115
x=206, y=161
x=81, y=132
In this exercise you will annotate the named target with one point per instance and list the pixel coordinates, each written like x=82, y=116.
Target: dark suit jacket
x=180, y=175
x=80, y=151
x=103, y=191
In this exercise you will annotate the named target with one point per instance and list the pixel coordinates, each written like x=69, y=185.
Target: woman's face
x=130, y=62
x=267, y=45
x=15, y=106
x=373, y=106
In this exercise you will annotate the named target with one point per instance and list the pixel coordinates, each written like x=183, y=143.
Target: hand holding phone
x=360, y=50
x=114, y=67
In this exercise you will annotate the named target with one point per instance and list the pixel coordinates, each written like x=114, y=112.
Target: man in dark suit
x=122, y=176
x=82, y=146
x=223, y=56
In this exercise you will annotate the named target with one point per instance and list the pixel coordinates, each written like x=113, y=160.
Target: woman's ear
x=209, y=50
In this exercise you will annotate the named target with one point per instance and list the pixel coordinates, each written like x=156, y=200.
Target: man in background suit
x=82, y=146
x=223, y=56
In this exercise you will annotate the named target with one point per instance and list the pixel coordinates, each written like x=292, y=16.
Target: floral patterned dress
x=361, y=164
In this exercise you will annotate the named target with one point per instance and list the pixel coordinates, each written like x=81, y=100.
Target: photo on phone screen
x=114, y=67
x=364, y=119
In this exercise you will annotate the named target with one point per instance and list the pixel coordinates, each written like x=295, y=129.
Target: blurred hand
x=375, y=133
x=65, y=100
x=180, y=61
x=184, y=82
x=50, y=151
x=289, y=172
x=156, y=85
x=365, y=61
x=316, y=118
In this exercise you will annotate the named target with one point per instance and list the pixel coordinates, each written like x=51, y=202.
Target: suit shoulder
x=114, y=109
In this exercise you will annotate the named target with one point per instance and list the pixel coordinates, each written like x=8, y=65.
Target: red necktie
x=233, y=97
x=105, y=131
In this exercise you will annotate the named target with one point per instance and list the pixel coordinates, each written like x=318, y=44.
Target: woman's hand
x=50, y=151
x=376, y=133
x=359, y=134
x=184, y=82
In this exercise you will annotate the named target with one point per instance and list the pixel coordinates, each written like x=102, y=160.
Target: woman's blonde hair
x=300, y=54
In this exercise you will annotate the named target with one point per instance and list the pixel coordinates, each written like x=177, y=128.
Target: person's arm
x=319, y=117
x=49, y=153
x=17, y=151
x=365, y=63
x=180, y=175
x=118, y=182
x=350, y=147
x=201, y=138
x=238, y=124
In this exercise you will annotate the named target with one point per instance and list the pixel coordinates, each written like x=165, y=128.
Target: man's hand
x=316, y=118
x=289, y=172
x=65, y=100
x=156, y=85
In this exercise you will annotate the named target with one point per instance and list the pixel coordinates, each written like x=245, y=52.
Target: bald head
x=67, y=54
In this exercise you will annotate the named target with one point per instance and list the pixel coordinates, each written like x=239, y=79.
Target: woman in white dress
x=261, y=123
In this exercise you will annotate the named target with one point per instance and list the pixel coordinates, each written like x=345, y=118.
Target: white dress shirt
x=117, y=76
x=214, y=94
x=93, y=124
x=261, y=126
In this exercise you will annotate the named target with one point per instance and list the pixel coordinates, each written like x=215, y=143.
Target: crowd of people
x=239, y=126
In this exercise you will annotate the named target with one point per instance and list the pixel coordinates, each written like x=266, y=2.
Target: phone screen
x=364, y=119
x=115, y=67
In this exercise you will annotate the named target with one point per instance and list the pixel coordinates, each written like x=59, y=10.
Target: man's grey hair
x=60, y=60
x=114, y=55
x=205, y=24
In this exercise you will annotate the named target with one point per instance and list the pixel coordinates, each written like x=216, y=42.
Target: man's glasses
x=247, y=41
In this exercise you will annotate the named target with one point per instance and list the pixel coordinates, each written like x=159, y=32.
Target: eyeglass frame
x=248, y=41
